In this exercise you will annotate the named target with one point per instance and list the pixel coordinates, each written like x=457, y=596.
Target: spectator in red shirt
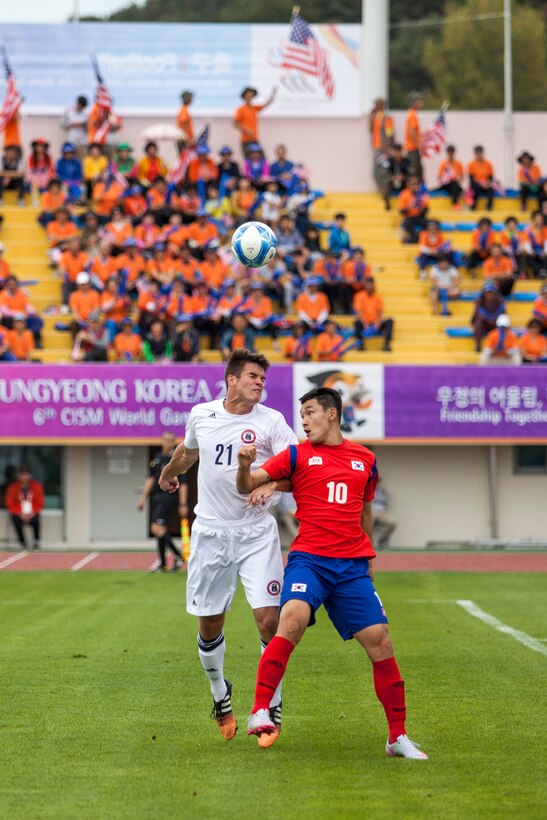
x=25, y=501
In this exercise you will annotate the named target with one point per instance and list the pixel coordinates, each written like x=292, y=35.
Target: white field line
x=12, y=559
x=522, y=637
x=430, y=601
x=84, y=561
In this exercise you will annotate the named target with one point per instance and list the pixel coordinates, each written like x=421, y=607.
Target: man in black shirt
x=164, y=504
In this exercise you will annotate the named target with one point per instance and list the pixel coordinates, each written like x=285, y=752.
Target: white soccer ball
x=254, y=244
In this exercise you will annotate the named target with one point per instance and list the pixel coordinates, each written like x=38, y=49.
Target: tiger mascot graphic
x=356, y=398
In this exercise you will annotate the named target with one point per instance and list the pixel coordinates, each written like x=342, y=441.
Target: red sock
x=390, y=690
x=270, y=671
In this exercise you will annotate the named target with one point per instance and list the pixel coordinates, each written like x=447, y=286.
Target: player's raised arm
x=182, y=460
x=246, y=481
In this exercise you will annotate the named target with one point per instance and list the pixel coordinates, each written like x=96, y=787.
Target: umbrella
x=163, y=131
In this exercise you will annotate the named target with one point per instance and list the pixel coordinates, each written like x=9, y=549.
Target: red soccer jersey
x=329, y=485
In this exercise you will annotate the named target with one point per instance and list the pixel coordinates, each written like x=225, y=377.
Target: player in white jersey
x=229, y=537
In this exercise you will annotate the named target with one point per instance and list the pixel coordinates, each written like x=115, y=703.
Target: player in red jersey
x=333, y=482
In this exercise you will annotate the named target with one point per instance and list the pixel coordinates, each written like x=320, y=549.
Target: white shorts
x=222, y=551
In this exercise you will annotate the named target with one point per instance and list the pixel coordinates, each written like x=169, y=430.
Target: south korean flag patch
x=358, y=465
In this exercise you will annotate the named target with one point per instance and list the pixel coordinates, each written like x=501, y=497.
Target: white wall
x=337, y=151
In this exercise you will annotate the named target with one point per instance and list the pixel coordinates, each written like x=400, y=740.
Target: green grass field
x=105, y=708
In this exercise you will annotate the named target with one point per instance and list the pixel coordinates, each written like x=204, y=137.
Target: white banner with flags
x=146, y=65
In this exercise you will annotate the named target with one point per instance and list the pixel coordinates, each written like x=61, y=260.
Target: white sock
x=276, y=698
x=211, y=655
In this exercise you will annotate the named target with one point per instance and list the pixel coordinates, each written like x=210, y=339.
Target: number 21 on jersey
x=338, y=492
x=224, y=454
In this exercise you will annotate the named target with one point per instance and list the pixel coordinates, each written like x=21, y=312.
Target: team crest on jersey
x=274, y=587
x=314, y=460
x=248, y=437
x=358, y=465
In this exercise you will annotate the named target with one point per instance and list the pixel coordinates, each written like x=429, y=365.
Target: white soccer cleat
x=404, y=747
x=261, y=725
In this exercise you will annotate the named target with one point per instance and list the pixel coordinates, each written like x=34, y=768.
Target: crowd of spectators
x=144, y=263
x=143, y=256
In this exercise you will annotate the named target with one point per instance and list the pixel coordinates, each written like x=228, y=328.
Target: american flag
x=177, y=174
x=303, y=53
x=13, y=99
x=103, y=100
x=435, y=136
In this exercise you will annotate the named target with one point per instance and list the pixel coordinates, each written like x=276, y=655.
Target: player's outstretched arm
x=181, y=461
x=246, y=481
x=259, y=496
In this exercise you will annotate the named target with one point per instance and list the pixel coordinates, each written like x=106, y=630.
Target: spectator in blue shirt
x=288, y=237
x=339, y=238
x=282, y=168
x=69, y=171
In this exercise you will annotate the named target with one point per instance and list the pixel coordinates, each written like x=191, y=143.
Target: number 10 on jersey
x=338, y=492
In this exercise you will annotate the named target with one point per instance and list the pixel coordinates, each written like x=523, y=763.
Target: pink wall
x=337, y=151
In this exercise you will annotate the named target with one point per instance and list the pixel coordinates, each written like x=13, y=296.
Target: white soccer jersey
x=219, y=435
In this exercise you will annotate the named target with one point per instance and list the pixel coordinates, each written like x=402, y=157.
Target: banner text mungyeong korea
x=146, y=66
x=116, y=403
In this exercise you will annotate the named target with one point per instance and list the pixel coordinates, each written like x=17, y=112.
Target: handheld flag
x=13, y=99
x=436, y=135
x=303, y=53
x=178, y=173
x=104, y=101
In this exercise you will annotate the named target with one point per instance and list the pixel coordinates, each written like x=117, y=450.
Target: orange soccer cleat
x=222, y=713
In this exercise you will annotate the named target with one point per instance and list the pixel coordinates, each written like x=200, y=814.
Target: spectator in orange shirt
x=13, y=300
x=5, y=351
x=131, y=265
x=413, y=205
x=147, y=232
x=213, y=269
x=204, y=312
x=312, y=306
x=201, y=233
x=481, y=177
x=184, y=120
x=501, y=345
x=151, y=165
x=539, y=308
x=246, y=117
x=118, y=230
x=179, y=302
x=498, y=267
x=259, y=312
x=432, y=246
x=25, y=501
x=529, y=178
x=450, y=176
x=20, y=339
x=134, y=204
x=380, y=125
x=482, y=240
x=298, y=344
x=107, y=194
x=103, y=266
x=242, y=200
x=4, y=266
x=60, y=230
x=202, y=168
x=413, y=136
x=12, y=131
x=533, y=344
x=369, y=310
x=163, y=266
x=189, y=266
x=51, y=200
x=354, y=271
x=127, y=344
x=329, y=345
x=158, y=200
x=115, y=306
x=82, y=302
x=73, y=260
x=188, y=203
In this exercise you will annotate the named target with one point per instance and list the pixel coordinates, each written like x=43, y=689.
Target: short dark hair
x=239, y=358
x=326, y=397
x=340, y=215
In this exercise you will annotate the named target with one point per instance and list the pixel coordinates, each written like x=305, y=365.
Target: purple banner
x=465, y=402
x=96, y=402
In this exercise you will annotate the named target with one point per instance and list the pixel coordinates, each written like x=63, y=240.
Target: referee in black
x=164, y=504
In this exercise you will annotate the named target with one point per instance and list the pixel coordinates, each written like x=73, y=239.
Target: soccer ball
x=254, y=244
